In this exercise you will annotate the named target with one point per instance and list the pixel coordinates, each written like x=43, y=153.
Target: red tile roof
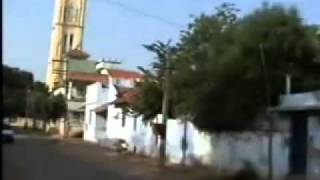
x=118, y=73
x=89, y=77
x=126, y=96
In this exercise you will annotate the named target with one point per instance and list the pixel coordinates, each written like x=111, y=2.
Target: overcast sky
x=112, y=30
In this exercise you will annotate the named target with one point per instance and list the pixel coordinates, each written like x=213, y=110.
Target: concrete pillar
x=62, y=129
x=69, y=90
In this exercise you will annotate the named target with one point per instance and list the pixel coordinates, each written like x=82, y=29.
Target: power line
x=142, y=13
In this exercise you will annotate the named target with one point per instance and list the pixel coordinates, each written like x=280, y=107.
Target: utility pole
x=289, y=79
x=66, y=128
x=268, y=101
x=165, y=108
x=26, y=110
x=63, y=72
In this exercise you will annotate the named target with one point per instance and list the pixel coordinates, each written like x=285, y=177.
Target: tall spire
x=67, y=34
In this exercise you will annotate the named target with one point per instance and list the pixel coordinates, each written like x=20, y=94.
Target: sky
x=112, y=30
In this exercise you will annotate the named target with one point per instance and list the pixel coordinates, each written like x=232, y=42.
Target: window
x=117, y=81
x=71, y=42
x=64, y=46
x=76, y=115
x=135, y=124
x=81, y=92
x=123, y=118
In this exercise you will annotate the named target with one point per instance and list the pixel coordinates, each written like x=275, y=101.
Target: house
x=106, y=119
x=101, y=98
x=80, y=72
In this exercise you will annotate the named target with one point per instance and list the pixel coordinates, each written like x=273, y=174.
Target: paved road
x=34, y=157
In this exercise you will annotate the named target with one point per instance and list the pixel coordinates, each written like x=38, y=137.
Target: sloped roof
x=125, y=95
x=85, y=66
x=88, y=77
x=307, y=101
x=125, y=74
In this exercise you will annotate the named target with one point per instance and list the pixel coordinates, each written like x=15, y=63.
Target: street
x=38, y=157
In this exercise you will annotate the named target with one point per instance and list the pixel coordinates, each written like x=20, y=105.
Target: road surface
x=34, y=157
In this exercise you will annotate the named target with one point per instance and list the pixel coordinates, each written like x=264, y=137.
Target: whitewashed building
x=99, y=99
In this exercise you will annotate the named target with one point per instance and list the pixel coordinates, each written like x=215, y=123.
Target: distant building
x=67, y=34
x=101, y=95
x=81, y=72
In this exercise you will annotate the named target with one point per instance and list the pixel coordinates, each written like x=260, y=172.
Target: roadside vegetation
x=226, y=69
x=24, y=97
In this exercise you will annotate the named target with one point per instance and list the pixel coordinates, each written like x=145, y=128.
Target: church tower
x=67, y=34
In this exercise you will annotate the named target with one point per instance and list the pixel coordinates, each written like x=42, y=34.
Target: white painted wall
x=313, y=166
x=95, y=126
x=140, y=138
x=223, y=152
x=96, y=95
x=227, y=151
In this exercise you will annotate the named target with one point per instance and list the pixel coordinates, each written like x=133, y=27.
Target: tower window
x=65, y=43
x=71, y=41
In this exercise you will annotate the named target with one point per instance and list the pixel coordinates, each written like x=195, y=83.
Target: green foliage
x=44, y=106
x=219, y=78
x=39, y=105
x=58, y=106
x=150, y=90
x=148, y=100
x=22, y=96
x=15, y=84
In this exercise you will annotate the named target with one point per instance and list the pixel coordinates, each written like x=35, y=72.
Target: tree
x=219, y=79
x=45, y=106
x=39, y=105
x=15, y=85
x=58, y=107
x=150, y=90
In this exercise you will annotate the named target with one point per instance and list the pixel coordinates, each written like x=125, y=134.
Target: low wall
x=227, y=151
x=28, y=122
x=314, y=148
x=223, y=152
x=139, y=135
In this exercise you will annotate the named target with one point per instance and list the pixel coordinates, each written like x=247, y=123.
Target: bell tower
x=67, y=34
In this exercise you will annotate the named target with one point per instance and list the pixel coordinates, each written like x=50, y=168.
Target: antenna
x=114, y=61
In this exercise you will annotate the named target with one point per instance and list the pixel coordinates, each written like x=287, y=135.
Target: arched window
x=71, y=42
x=64, y=47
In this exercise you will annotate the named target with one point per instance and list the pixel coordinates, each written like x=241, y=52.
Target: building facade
x=101, y=97
x=67, y=34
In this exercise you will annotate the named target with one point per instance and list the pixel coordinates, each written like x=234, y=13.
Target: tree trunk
x=44, y=125
x=25, y=126
x=34, y=123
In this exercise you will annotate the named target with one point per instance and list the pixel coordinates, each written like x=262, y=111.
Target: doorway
x=298, y=144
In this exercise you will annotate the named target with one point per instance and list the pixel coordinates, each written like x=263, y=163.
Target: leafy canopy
x=220, y=79
x=218, y=75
